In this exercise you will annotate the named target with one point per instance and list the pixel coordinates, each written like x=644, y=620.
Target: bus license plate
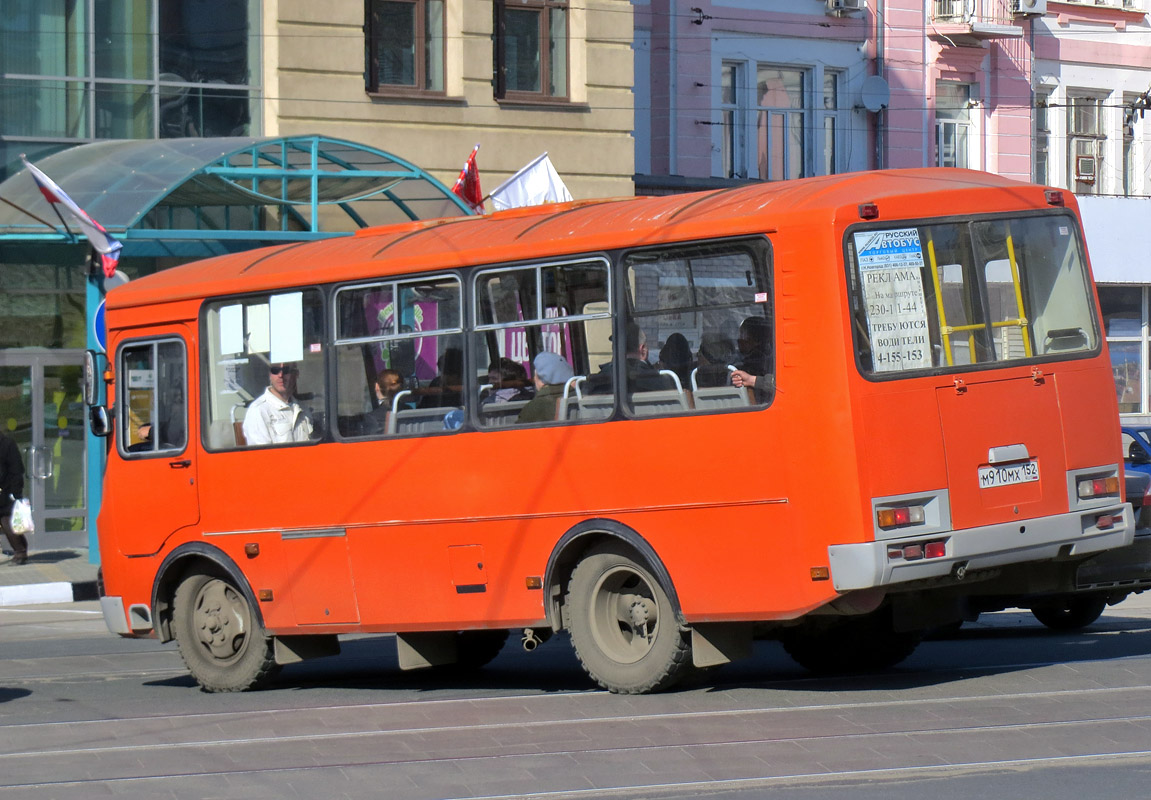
x=1007, y=476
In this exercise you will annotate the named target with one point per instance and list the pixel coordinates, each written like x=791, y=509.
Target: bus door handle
x=181, y=464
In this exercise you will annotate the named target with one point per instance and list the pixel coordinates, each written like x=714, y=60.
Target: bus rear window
x=959, y=294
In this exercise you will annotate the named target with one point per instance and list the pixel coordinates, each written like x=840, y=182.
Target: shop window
x=1123, y=320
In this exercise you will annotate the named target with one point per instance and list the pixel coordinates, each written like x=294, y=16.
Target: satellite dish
x=876, y=93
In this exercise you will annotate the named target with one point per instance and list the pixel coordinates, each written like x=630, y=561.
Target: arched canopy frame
x=255, y=190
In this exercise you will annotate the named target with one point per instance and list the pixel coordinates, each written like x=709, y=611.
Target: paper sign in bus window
x=287, y=327
x=231, y=329
x=890, y=270
x=258, y=328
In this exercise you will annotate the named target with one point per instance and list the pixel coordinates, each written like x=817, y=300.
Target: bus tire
x=476, y=649
x=1070, y=613
x=220, y=636
x=853, y=646
x=624, y=628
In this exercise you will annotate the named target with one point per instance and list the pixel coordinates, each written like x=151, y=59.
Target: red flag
x=467, y=186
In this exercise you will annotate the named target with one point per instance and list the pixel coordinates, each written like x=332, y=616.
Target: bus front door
x=156, y=471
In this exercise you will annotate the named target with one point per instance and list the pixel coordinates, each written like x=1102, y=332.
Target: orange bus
x=528, y=421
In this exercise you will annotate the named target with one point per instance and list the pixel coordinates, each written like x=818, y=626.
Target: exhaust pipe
x=530, y=641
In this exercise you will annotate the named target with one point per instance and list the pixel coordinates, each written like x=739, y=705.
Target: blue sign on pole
x=99, y=332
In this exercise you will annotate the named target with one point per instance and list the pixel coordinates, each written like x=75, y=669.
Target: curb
x=55, y=592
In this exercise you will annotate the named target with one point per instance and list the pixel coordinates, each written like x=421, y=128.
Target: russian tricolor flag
x=104, y=243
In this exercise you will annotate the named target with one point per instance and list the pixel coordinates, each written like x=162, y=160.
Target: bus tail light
x=1105, y=521
x=917, y=551
x=899, y=516
x=1088, y=488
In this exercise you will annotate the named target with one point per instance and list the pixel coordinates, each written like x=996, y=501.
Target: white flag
x=536, y=183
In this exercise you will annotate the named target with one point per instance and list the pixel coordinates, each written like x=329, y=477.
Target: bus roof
x=579, y=227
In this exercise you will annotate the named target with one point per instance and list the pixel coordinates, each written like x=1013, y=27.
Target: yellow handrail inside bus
x=1022, y=320
x=944, y=331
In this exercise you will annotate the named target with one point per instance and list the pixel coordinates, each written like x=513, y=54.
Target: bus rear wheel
x=624, y=629
x=855, y=645
x=219, y=635
x=1070, y=613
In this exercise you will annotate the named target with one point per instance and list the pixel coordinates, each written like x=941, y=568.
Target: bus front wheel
x=623, y=626
x=219, y=635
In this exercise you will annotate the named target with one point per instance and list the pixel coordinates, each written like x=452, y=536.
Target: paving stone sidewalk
x=49, y=576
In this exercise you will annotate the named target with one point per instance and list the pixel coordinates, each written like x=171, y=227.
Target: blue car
x=1137, y=447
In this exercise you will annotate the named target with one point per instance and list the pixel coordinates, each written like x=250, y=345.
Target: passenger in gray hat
x=552, y=371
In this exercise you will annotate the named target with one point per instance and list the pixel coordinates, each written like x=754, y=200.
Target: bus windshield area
x=958, y=294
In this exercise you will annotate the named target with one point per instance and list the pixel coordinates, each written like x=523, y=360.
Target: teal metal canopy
x=257, y=190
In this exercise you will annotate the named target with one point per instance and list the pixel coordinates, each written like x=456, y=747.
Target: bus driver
x=276, y=417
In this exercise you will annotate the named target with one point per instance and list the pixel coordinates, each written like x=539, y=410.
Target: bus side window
x=399, y=358
x=264, y=370
x=152, y=404
x=521, y=312
x=694, y=313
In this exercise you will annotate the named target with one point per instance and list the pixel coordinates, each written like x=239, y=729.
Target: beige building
x=427, y=80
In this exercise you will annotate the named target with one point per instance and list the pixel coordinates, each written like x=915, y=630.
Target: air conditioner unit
x=1028, y=8
x=1085, y=169
x=841, y=8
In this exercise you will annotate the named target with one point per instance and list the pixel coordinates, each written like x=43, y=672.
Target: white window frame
x=959, y=130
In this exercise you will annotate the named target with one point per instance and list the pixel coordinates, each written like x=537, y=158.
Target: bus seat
x=593, y=406
x=221, y=435
x=238, y=412
x=663, y=401
x=501, y=415
x=407, y=421
x=711, y=397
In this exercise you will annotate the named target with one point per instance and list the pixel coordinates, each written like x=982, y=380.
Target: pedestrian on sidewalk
x=11, y=489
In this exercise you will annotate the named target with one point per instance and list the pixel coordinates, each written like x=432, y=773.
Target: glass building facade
x=75, y=71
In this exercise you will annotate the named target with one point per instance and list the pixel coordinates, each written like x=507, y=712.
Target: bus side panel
x=722, y=479
x=901, y=442
x=1089, y=409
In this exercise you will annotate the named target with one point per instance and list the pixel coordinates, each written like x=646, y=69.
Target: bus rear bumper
x=873, y=564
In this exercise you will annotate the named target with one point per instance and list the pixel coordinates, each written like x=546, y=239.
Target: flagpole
x=54, y=209
x=23, y=210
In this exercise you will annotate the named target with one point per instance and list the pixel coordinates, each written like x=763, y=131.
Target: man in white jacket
x=276, y=417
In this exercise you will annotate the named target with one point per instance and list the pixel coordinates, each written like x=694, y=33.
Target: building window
x=1129, y=116
x=830, y=121
x=405, y=41
x=732, y=125
x=953, y=124
x=781, y=122
x=120, y=69
x=1042, y=137
x=531, y=49
x=1085, y=139
x=1124, y=320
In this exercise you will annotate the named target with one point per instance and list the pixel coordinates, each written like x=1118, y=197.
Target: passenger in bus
x=715, y=353
x=755, y=346
x=276, y=416
x=445, y=389
x=509, y=382
x=389, y=383
x=552, y=371
x=675, y=355
x=763, y=386
x=641, y=376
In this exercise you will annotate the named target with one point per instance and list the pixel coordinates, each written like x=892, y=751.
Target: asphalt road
x=1002, y=709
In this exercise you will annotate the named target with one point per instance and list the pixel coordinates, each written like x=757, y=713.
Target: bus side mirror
x=99, y=421
x=91, y=377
